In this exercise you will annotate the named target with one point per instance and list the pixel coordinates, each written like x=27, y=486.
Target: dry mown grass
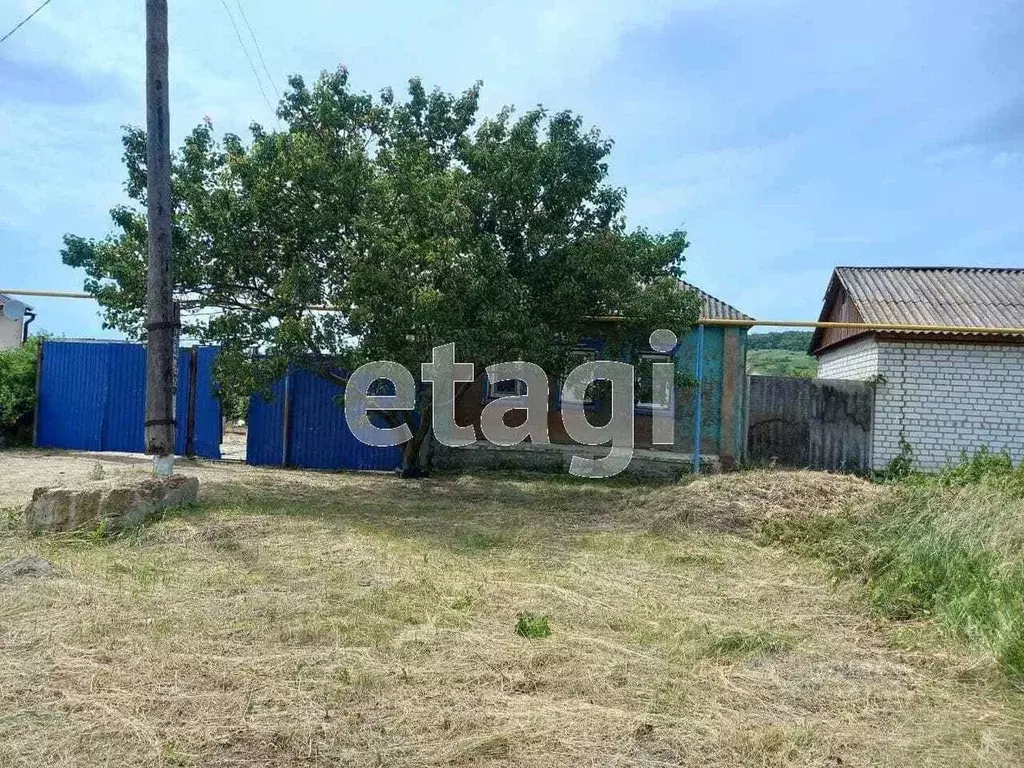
x=302, y=619
x=743, y=502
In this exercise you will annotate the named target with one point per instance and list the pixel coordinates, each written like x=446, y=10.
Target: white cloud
x=1006, y=159
x=691, y=183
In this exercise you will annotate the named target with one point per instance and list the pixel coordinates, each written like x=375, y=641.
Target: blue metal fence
x=92, y=397
x=302, y=424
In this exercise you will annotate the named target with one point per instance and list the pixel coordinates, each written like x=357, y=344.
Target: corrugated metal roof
x=969, y=296
x=977, y=297
x=712, y=308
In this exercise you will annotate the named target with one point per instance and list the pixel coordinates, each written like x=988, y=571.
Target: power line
x=248, y=58
x=25, y=21
x=259, y=50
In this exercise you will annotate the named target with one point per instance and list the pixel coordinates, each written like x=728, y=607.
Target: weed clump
x=531, y=626
x=745, y=644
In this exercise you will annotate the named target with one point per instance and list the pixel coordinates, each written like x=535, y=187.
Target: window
x=506, y=388
x=576, y=358
x=645, y=396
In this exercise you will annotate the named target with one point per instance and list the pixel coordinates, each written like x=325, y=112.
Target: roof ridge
x=967, y=297
x=932, y=269
x=730, y=313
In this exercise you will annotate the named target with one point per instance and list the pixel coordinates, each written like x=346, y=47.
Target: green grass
x=528, y=625
x=741, y=644
x=947, y=547
x=781, y=362
x=957, y=555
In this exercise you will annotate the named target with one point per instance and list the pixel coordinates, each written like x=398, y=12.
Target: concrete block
x=115, y=504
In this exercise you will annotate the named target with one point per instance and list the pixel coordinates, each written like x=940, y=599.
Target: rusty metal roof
x=712, y=308
x=976, y=297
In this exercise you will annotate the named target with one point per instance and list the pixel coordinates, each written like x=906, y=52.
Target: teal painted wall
x=724, y=380
x=719, y=373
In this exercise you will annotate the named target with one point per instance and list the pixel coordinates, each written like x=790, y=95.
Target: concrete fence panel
x=814, y=423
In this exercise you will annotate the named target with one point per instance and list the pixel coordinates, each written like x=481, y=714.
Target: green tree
x=794, y=341
x=17, y=390
x=417, y=224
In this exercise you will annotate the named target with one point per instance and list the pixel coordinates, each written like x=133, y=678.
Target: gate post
x=39, y=390
x=190, y=418
x=286, y=421
x=698, y=405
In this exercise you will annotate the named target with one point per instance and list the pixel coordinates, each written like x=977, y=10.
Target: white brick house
x=941, y=393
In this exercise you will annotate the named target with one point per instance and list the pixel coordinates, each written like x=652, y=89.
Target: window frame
x=584, y=355
x=655, y=357
x=494, y=394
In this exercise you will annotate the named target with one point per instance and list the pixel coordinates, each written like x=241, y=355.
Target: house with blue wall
x=723, y=382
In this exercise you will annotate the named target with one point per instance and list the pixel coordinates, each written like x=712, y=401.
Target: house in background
x=723, y=393
x=939, y=393
x=15, y=318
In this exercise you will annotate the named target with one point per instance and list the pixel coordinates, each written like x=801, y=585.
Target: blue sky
x=787, y=137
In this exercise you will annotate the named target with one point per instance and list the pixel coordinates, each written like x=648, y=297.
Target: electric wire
x=259, y=49
x=252, y=66
x=25, y=21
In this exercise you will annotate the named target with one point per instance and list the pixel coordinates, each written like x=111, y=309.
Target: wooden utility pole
x=162, y=321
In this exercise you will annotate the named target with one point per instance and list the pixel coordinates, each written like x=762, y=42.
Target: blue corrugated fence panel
x=124, y=404
x=92, y=396
x=265, y=441
x=72, y=383
x=318, y=428
x=319, y=437
x=207, y=424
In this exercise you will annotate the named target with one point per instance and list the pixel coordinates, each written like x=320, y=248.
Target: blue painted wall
x=711, y=398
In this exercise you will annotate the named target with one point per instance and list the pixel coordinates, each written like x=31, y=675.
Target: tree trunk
x=416, y=452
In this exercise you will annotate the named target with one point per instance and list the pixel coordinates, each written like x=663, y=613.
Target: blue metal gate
x=92, y=397
x=302, y=424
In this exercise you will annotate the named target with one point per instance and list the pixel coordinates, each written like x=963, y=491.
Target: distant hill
x=781, y=354
x=795, y=341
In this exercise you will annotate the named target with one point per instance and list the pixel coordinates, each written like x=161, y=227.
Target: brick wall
x=941, y=398
x=946, y=398
x=856, y=360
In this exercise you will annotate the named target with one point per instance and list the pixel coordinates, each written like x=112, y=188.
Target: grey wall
x=815, y=423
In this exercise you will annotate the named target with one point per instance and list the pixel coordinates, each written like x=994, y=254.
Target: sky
x=786, y=136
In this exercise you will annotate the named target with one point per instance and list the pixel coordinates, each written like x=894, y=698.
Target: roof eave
x=829, y=300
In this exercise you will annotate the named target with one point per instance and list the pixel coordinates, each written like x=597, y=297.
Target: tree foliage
x=17, y=389
x=793, y=341
x=416, y=222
